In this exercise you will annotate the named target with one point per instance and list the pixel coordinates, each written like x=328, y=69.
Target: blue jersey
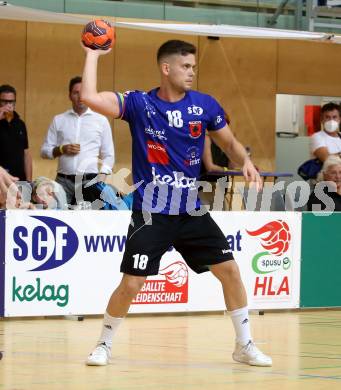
x=168, y=141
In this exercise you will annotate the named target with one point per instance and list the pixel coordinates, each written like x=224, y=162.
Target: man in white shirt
x=79, y=137
x=327, y=141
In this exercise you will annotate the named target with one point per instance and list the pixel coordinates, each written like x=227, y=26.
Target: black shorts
x=197, y=238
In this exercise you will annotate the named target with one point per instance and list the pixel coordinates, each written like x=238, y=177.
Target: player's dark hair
x=330, y=107
x=175, y=46
x=73, y=81
x=5, y=88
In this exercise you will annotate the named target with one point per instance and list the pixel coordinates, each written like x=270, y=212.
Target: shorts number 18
x=140, y=261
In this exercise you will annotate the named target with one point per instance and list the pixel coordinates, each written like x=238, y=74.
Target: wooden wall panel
x=54, y=56
x=241, y=75
x=309, y=68
x=13, y=59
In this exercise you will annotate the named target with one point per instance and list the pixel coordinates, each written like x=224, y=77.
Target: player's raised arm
x=105, y=103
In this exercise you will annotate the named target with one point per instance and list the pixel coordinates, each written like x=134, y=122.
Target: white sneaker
x=251, y=355
x=100, y=356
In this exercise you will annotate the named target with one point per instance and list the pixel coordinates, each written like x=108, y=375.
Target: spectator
x=79, y=137
x=49, y=194
x=213, y=160
x=6, y=180
x=14, y=198
x=108, y=198
x=327, y=198
x=15, y=156
x=327, y=141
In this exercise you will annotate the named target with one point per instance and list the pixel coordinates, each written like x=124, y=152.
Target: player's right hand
x=3, y=110
x=251, y=175
x=71, y=149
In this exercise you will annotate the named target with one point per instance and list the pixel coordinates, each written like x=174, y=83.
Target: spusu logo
x=275, y=238
x=51, y=242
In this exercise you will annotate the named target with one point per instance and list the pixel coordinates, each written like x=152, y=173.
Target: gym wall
x=243, y=74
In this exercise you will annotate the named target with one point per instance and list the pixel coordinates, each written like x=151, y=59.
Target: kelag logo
x=52, y=244
x=275, y=237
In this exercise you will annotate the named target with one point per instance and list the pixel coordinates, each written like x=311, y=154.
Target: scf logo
x=54, y=243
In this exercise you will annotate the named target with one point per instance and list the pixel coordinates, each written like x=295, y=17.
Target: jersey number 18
x=175, y=119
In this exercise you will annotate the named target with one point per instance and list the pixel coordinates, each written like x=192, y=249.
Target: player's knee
x=132, y=285
x=234, y=275
x=228, y=271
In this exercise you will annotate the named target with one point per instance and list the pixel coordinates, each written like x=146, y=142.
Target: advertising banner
x=63, y=262
x=321, y=266
x=267, y=247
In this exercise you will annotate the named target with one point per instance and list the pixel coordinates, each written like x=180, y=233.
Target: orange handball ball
x=98, y=34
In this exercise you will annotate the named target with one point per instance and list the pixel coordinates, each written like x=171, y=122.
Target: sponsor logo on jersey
x=178, y=180
x=218, y=120
x=195, y=129
x=195, y=110
x=159, y=134
x=148, y=108
x=193, y=156
x=157, y=153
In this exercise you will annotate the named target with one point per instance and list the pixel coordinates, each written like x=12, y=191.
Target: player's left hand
x=251, y=175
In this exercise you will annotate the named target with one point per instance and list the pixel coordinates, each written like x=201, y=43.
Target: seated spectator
x=213, y=160
x=103, y=196
x=327, y=141
x=6, y=180
x=49, y=194
x=14, y=199
x=127, y=199
x=327, y=197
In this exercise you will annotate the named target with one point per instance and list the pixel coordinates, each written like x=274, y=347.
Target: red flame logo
x=275, y=236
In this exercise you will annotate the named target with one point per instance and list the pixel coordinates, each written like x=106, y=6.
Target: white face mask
x=331, y=126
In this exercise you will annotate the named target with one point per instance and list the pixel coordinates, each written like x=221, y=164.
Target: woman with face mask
x=327, y=192
x=327, y=141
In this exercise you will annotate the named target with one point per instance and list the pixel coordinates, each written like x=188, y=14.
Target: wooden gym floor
x=173, y=352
